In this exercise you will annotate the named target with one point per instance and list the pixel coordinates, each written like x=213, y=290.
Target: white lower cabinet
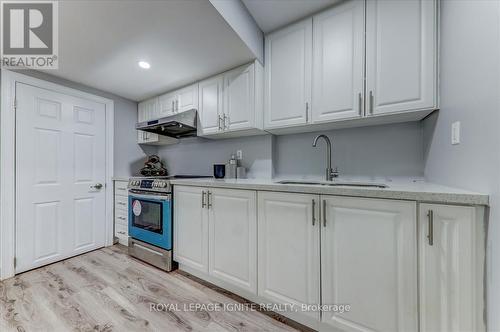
x=215, y=233
x=289, y=257
x=191, y=228
x=396, y=269
x=120, y=211
x=233, y=237
x=451, y=268
x=369, y=262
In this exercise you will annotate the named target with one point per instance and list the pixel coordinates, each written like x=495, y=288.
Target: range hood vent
x=179, y=125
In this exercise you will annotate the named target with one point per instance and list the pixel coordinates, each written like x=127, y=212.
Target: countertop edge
x=420, y=196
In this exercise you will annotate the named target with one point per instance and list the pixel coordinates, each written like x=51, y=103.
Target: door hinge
x=15, y=262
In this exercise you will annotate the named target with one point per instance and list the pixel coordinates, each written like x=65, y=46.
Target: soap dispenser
x=231, y=168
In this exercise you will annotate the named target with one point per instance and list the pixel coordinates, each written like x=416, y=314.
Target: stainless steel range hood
x=178, y=125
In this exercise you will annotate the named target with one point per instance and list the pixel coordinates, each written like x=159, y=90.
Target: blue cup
x=219, y=171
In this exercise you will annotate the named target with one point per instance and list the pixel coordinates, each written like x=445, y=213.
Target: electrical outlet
x=239, y=154
x=455, y=133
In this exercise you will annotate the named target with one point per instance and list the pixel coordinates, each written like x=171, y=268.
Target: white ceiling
x=273, y=14
x=100, y=43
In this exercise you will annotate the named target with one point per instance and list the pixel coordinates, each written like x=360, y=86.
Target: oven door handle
x=152, y=197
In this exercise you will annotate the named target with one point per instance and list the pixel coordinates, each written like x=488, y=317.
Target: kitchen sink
x=335, y=184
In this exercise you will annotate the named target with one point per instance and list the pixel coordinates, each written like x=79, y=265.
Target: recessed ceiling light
x=144, y=65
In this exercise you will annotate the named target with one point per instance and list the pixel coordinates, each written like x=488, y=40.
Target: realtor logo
x=29, y=36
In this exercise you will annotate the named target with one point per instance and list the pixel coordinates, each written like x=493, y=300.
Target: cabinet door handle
x=430, y=225
x=177, y=105
x=371, y=102
x=219, y=119
x=203, y=203
x=313, y=211
x=324, y=213
x=226, y=126
x=209, y=199
x=360, y=104
x=307, y=112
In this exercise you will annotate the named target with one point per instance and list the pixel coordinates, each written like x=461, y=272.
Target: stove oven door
x=150, y=219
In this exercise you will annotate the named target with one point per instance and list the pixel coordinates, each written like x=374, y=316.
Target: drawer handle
x=121, y=218
x=121, y=203
x=121, y=232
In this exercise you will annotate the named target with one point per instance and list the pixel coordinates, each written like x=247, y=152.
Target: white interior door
x=60, y=156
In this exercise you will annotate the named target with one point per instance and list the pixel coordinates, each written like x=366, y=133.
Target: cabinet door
x=288, y=260
x=401, y=55
x=210, y=100
x=190, y=228
x=451, y=290
x=233, y=237
x=166, y=104
x=288, y=75
x=187, y=98
x=338, y=58
x=239, y=98
x=147, y=110
x=368, y=260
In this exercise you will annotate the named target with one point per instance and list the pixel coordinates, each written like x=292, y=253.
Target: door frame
x=8, y=161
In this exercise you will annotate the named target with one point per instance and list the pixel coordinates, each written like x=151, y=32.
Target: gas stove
x=159, y=184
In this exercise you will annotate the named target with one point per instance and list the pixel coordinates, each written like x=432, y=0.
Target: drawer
x=121, y=203
x=121, y=230
x=121, y=218
x=121, y=188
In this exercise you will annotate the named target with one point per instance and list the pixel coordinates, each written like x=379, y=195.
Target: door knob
x=97, y=186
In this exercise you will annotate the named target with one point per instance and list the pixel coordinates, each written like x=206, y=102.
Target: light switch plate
x=455, y=133
x=239, y=154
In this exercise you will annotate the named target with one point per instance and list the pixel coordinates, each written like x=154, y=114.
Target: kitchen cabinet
x=121, y=211
x=178, y=101
x=288, y=260
x=451, y=268
x=166, y=104
x=363, y=62
x=369, y=261
x=232, y=102
x=233, y=237
x=211, y=105
x=288, y=71
x=147, y=110
x=191, y=228
x=215, y=234
x=338, y=62
x=187, y=98
x=401, y=55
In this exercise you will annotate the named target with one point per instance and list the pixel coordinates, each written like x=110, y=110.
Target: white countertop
x=398, y=188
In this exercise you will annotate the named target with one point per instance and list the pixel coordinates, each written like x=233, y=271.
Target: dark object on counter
x=219, y=171
x=153, y=167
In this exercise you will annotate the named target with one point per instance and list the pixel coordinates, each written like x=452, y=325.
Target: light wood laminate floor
x=106, y=290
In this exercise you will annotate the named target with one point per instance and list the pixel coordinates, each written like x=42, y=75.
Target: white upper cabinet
x=338, y=62
x=451, y=268
x=369, y=261
x=147, y=110
x=239, y=99
x=210, y=105
x=401, y=55
x=178, y=101
x=187, y=98
x=232, y=102
x=166, y=104
x=287, y=94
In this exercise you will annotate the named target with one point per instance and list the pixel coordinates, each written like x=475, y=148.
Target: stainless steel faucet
x=330, y=172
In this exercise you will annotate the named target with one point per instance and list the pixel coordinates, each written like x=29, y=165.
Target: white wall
x=128, y=155
x=470, y=93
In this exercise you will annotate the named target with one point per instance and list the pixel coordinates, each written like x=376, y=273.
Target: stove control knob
x=163, y=184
